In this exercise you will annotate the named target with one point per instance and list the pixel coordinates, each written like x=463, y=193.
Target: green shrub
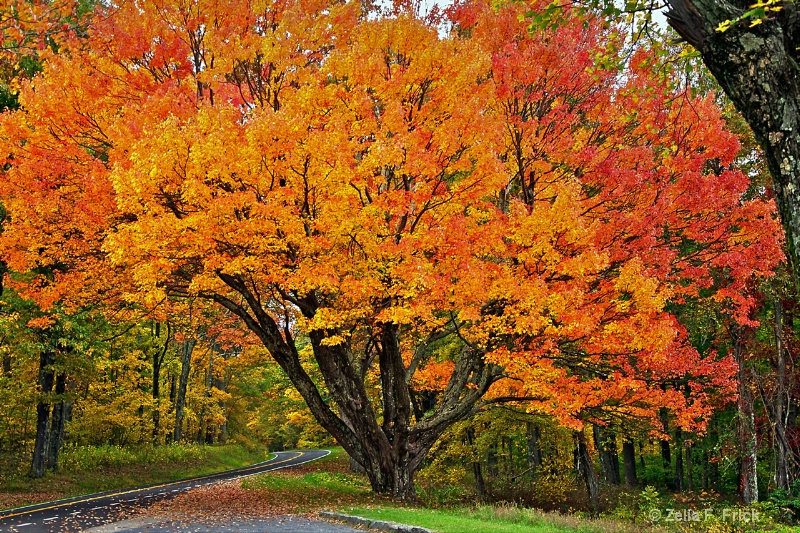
x=90, y=458
x=93, y=458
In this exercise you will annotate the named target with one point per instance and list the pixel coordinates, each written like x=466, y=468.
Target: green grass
x=496, y=519
x=328, y=484
x=319, y=484
x=456, y=521
x=316, y=481
x=329, y=475
x=89, y=469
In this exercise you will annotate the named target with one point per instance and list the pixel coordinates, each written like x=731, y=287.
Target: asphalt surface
x=105, y=512
x=285, y=524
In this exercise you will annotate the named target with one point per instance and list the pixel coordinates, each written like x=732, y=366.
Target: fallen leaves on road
x=9, y=500
x=272, y=495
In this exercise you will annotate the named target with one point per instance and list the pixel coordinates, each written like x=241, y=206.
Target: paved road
x=88, y=512
x=284, y=524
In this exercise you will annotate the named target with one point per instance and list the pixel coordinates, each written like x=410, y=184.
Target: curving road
x=85, y=512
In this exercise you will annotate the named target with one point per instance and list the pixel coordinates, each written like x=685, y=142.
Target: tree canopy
x=448, y=220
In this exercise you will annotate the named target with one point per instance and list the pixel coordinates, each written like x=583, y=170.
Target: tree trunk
x=758, y=67
x=222, y=385
x=59, y=420
x=679, y=484
x=480, y=488
x=689, y=467
x=583, y=463
x=209, y=430
x=782, y=449
x=666, y=455
x=158, y=360
x=614, y=457
x=748, y=445
x=606, y=445
x=187, y=347
x=629, y=462
x=641, y=456
x=391, y=448
x=712, y=459
x=222, y=435
x=534, y=450
x=40, y=447
x=491, y=460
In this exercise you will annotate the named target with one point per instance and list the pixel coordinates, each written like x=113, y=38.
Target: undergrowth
x=90, y=469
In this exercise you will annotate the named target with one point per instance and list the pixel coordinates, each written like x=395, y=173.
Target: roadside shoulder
x=369, y=523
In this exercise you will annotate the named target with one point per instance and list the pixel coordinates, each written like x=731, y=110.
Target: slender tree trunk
x=782, y=449
x=187, y=347
x=158, y=360
x=748, y=445
x=534, y=450
x=641, y=456
x=491, y=460
x=222, y=385
x=508, y=444
x=629, y=462
x=689, y=467
x=666, y=455
x=40, y=447
x=208, y=429
x=606, y=445
x=583, y=463
x=173, y=388
x=480, y=489
x=605, y=467
x=679, y=483
x=173, y=393
x=614, y=456
x=59, y=420
x=712, y=462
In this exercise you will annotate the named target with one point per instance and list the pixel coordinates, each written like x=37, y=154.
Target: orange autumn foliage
x=435, y=213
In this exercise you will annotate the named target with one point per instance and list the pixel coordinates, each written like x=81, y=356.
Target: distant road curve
x=83, y=512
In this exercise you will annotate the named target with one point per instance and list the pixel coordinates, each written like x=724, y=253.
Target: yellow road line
x=121, y=493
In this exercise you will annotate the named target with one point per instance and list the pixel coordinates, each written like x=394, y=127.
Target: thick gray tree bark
x=758, y=68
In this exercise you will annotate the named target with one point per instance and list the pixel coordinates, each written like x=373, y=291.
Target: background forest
x=538, y=264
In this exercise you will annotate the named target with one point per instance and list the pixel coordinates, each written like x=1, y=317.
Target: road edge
x=369, y=523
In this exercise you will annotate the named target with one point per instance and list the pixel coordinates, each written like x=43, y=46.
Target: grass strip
x=449, y=521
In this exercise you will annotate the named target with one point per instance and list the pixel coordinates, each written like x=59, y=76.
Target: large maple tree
x=440, y=217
